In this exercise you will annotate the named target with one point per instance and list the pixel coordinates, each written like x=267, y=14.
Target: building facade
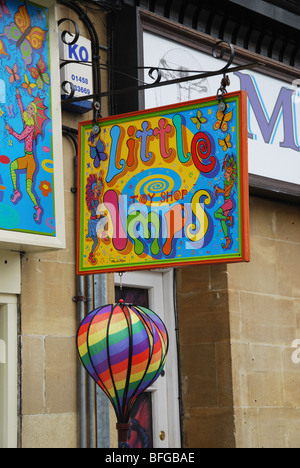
x=233, y=370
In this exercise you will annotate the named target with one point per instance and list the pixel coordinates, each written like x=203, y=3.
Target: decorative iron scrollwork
x=95, y=64
x=159, y=75
x=219, y=51
x=74, y=38
x=155, y=73
x=64, y=33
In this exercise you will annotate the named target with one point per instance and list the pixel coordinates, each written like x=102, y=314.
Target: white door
x=162, y=399
x=8, y=371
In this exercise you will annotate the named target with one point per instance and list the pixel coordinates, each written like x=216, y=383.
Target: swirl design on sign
x=154, y=185
x=201, y=150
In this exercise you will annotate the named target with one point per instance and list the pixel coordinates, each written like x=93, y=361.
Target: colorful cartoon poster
x=164, y=187
x=26, y=135
x=140, y=434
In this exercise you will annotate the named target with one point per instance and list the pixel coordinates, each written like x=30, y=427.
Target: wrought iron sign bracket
x=198, y=76
x=219, y=51
x=95, y=63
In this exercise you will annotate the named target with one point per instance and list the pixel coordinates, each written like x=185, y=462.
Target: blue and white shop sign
x=76, y=72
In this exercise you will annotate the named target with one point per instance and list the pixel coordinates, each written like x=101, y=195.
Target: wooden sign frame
x=31, y=164
x=164, y=187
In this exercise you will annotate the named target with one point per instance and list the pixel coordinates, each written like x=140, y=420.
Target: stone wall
x=264, y=298
x=48, y=316
x=48, y=327
x=205, y=360
x=237, y=324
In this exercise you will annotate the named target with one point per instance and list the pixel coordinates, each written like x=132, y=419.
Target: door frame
x=161, y=299
x=9, y=371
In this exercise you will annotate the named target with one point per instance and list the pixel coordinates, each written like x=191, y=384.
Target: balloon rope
x=121, y=280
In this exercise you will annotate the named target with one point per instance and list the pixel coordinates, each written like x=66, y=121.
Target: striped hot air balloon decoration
x=123, y=347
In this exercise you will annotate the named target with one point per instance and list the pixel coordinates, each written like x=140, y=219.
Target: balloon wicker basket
x=123, y=430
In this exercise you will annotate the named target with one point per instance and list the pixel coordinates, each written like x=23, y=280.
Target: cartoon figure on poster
x=140, y=432
x=33, y=119
x=94, y=192
x=224, y=213
x=98, y=220
x=26, y=147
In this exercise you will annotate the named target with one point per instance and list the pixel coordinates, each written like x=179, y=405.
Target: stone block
x=60, y=374
x=193, y=278
x=265, y=389
x=224, y=374
x=246, y=428
x=267, y=319
x=297, y=312
x=279, y=428
x=260, y=274
x=209, y=428
x=46, y=301
x=203, y=317
x=199, y=373
x=288, y=268
x=234, y=315
x=275, y=220
x=50, y=431
x=32, y=375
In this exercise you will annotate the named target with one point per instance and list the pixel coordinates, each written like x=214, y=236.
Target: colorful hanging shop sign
x=164, y=187
x=30, y=146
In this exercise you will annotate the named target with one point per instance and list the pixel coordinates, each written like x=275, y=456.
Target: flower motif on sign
x=45, y=188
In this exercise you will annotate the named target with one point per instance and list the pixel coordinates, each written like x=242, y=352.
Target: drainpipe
x=79, y=299
x=91, y=293
x=102, y=402
x=90, y=381
x=81, y=370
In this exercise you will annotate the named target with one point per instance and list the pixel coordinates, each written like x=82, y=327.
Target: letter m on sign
x=267, y=125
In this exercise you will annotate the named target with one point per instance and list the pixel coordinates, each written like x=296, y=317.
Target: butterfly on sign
x=3, y=9
x=27, y=85
x=26, y=36
x=223, y=119
x=225, y=143
x=40, y=15
x=13, y=73
x=2, y=49
x=11, y=111
x=97, y=150
x=199, y=120
x=39, y=74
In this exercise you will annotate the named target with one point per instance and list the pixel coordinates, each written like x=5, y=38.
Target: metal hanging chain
x=97, y=116
x=222, y=91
